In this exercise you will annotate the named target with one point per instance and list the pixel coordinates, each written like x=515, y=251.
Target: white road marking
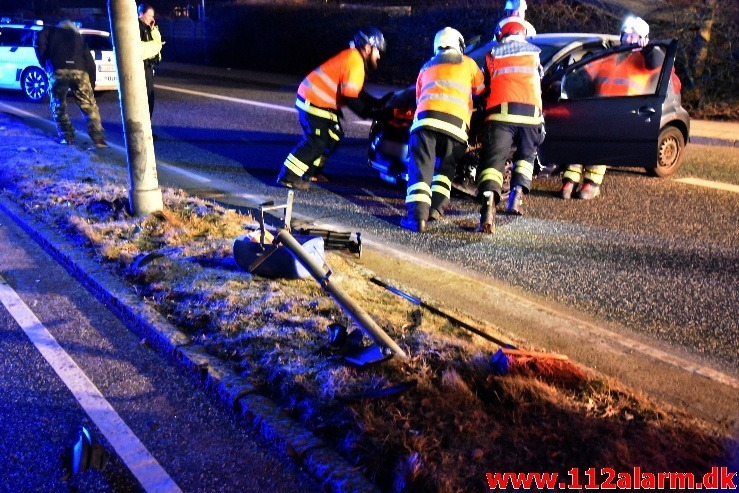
x=134, y=454
x=170, y=167
x=18, y=111
x=180, y=171
x=728, y=187
x=258, y=199
x=240, y=101
x=227, y=98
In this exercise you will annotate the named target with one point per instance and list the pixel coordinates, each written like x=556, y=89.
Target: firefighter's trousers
x=430, y=185
x=497, y=141
x=578, y=172
x=321, y=137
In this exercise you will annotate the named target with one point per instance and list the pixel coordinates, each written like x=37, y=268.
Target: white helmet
x=515, y=5
x=449, y=38
x=635, y=25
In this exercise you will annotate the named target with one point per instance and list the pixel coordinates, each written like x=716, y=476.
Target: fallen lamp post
x=323, y=277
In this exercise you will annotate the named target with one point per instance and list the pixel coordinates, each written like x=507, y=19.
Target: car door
x=587, y=124
x=9, y=43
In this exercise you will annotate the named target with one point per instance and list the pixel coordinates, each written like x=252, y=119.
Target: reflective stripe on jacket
x=514, y=73
x=340, y=77
x=444, y=90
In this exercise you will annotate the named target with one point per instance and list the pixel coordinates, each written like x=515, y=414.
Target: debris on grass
x=448, y=418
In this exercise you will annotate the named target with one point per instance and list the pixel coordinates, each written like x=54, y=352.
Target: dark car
x=648, y=130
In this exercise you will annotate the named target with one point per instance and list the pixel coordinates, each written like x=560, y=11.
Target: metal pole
x=145, y=195
x=321, y=275
x=438, y=311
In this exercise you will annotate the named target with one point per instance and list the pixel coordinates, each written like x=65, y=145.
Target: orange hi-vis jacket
x=513, y=70
x=444, y=91
x=623, y=75
x=340, y=77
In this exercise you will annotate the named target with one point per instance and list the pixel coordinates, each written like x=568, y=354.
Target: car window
x=98, y=42
x=547, y=52
x=16, y=37
x=626, y=73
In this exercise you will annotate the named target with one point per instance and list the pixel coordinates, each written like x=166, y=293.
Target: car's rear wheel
x=669, y=152
x=35, y=83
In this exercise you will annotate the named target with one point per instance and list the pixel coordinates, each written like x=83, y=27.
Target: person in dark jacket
x=69, y=65
x=151, y=48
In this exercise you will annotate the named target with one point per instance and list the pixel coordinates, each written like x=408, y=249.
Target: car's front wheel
x=669, y=152
x=35, y=83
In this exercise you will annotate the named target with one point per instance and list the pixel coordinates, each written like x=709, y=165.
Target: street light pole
x=145, y=196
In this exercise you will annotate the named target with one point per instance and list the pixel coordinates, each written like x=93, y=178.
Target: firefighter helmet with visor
x=515, y=5
x=370, y=36
x=511, y=28
x=637, y=26
x=449, y=38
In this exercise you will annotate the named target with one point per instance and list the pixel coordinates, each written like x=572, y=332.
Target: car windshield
x=98, y=42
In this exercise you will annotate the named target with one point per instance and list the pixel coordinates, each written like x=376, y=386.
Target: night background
x=287, y=37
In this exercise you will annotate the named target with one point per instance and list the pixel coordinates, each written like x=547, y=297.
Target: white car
x=20, y=69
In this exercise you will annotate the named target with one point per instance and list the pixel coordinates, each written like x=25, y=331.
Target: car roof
x=557, y=45
x=33, y=26
x=567, y=38
x=94, y=31
x=38, y=27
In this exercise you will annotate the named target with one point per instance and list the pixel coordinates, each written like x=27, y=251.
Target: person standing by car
x=336, y=83
x=444, y=91
x=69, y=65
x=515, y=10
x=151, y=48
x=627, y=74
x=513, y=116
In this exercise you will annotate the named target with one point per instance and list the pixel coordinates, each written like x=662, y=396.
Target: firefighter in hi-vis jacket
x=513, y=112
x=626, y=74
x=444, y=91
x=322, y=94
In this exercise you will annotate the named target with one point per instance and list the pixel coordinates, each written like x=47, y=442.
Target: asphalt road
x=657, y=257
x=199, y=443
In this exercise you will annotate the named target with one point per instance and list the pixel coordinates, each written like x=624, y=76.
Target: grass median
x=456, y=421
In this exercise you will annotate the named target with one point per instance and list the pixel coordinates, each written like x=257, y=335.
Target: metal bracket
x=270, y=206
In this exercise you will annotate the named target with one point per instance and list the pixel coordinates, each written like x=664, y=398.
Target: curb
x=263, y=415
x=713, y=141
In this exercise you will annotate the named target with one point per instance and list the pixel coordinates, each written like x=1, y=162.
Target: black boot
x=435, y=214
x=418, y=225
x=515, y=201
x=487, y=215
x=288, y=179
x=415, y=219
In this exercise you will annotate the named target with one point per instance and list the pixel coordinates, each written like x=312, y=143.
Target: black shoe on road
x=418, y=225
x=297, y=185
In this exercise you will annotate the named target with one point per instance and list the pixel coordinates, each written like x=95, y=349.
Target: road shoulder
x=592, y=343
